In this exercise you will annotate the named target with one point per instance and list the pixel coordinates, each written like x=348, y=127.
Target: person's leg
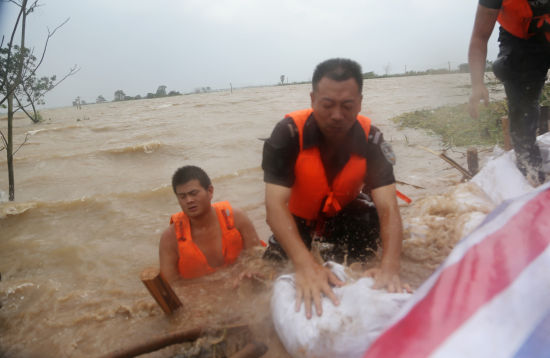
x=523, y=111
x=275, y=251
x=353, y=234
x=522, y=67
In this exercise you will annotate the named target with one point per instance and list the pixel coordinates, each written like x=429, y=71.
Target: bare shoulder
x=168, y=237
x=239, y=214
x=241, y=219
x=246, y=228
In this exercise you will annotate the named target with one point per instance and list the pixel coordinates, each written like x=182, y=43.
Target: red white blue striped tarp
x=490, y=298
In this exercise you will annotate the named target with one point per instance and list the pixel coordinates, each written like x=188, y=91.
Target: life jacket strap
x=332, y=206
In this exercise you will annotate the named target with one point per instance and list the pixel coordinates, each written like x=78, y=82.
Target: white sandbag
x=501, y=179
x=543, y=141
x=345, y=330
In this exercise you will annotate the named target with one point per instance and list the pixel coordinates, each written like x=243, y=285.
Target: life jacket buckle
x=228, y=223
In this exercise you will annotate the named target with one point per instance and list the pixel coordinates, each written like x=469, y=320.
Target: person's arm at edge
x=477, y=55
x=246, y=228
x=250, y=239
x=391, y=234
x=312, y=279
x=168, y=255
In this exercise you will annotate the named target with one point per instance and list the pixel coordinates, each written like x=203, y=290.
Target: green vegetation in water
x=456, y=127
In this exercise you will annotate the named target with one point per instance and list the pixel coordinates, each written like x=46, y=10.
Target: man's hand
x=479, y=92
x=391, y=232
x=388, y=280
x=312, y=281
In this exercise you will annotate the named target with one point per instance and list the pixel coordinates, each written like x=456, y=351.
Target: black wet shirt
x=491, y=4
x=538, y=7
x=282, y=148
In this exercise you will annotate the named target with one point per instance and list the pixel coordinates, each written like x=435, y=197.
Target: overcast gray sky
x=137, y=45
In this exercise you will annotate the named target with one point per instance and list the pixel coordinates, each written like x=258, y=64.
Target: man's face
x=335, y=106
x=193, y=198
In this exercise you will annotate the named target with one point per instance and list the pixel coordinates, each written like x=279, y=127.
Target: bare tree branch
x=19, y=4
x=6, y=142
x=10, y=44
x=71, y=72
x=3, y=140
x=21, y=11
x=22, y=144
x=18, y=79
x=50, y=35
x=23, y=107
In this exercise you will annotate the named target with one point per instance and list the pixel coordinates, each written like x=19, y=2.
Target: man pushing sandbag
x=316, y=164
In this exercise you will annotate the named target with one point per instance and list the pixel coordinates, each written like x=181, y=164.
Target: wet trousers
x=351, y=236
x=523, y=66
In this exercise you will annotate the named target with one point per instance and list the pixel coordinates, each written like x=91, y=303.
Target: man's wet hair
x=338, y=69
x=188, y=173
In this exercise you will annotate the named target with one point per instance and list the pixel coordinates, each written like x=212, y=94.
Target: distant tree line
x=121, y=96
x=462, y=68
x=161, y=92
x=203, y=89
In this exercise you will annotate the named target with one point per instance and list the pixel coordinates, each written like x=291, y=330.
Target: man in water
x=203, y=237
x=522, y=65
x=315, y=167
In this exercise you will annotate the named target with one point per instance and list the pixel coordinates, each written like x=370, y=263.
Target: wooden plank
x=161, y=290
x=473, y=161
x=449, y=160
x=169, y=339
x=157, y=343
x=405, y=183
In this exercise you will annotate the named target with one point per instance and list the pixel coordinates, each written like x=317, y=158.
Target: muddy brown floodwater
x=93, y=196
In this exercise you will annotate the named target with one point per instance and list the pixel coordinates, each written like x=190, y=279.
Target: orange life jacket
x=311, y=193
x=516, y=16
x=192, y=263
